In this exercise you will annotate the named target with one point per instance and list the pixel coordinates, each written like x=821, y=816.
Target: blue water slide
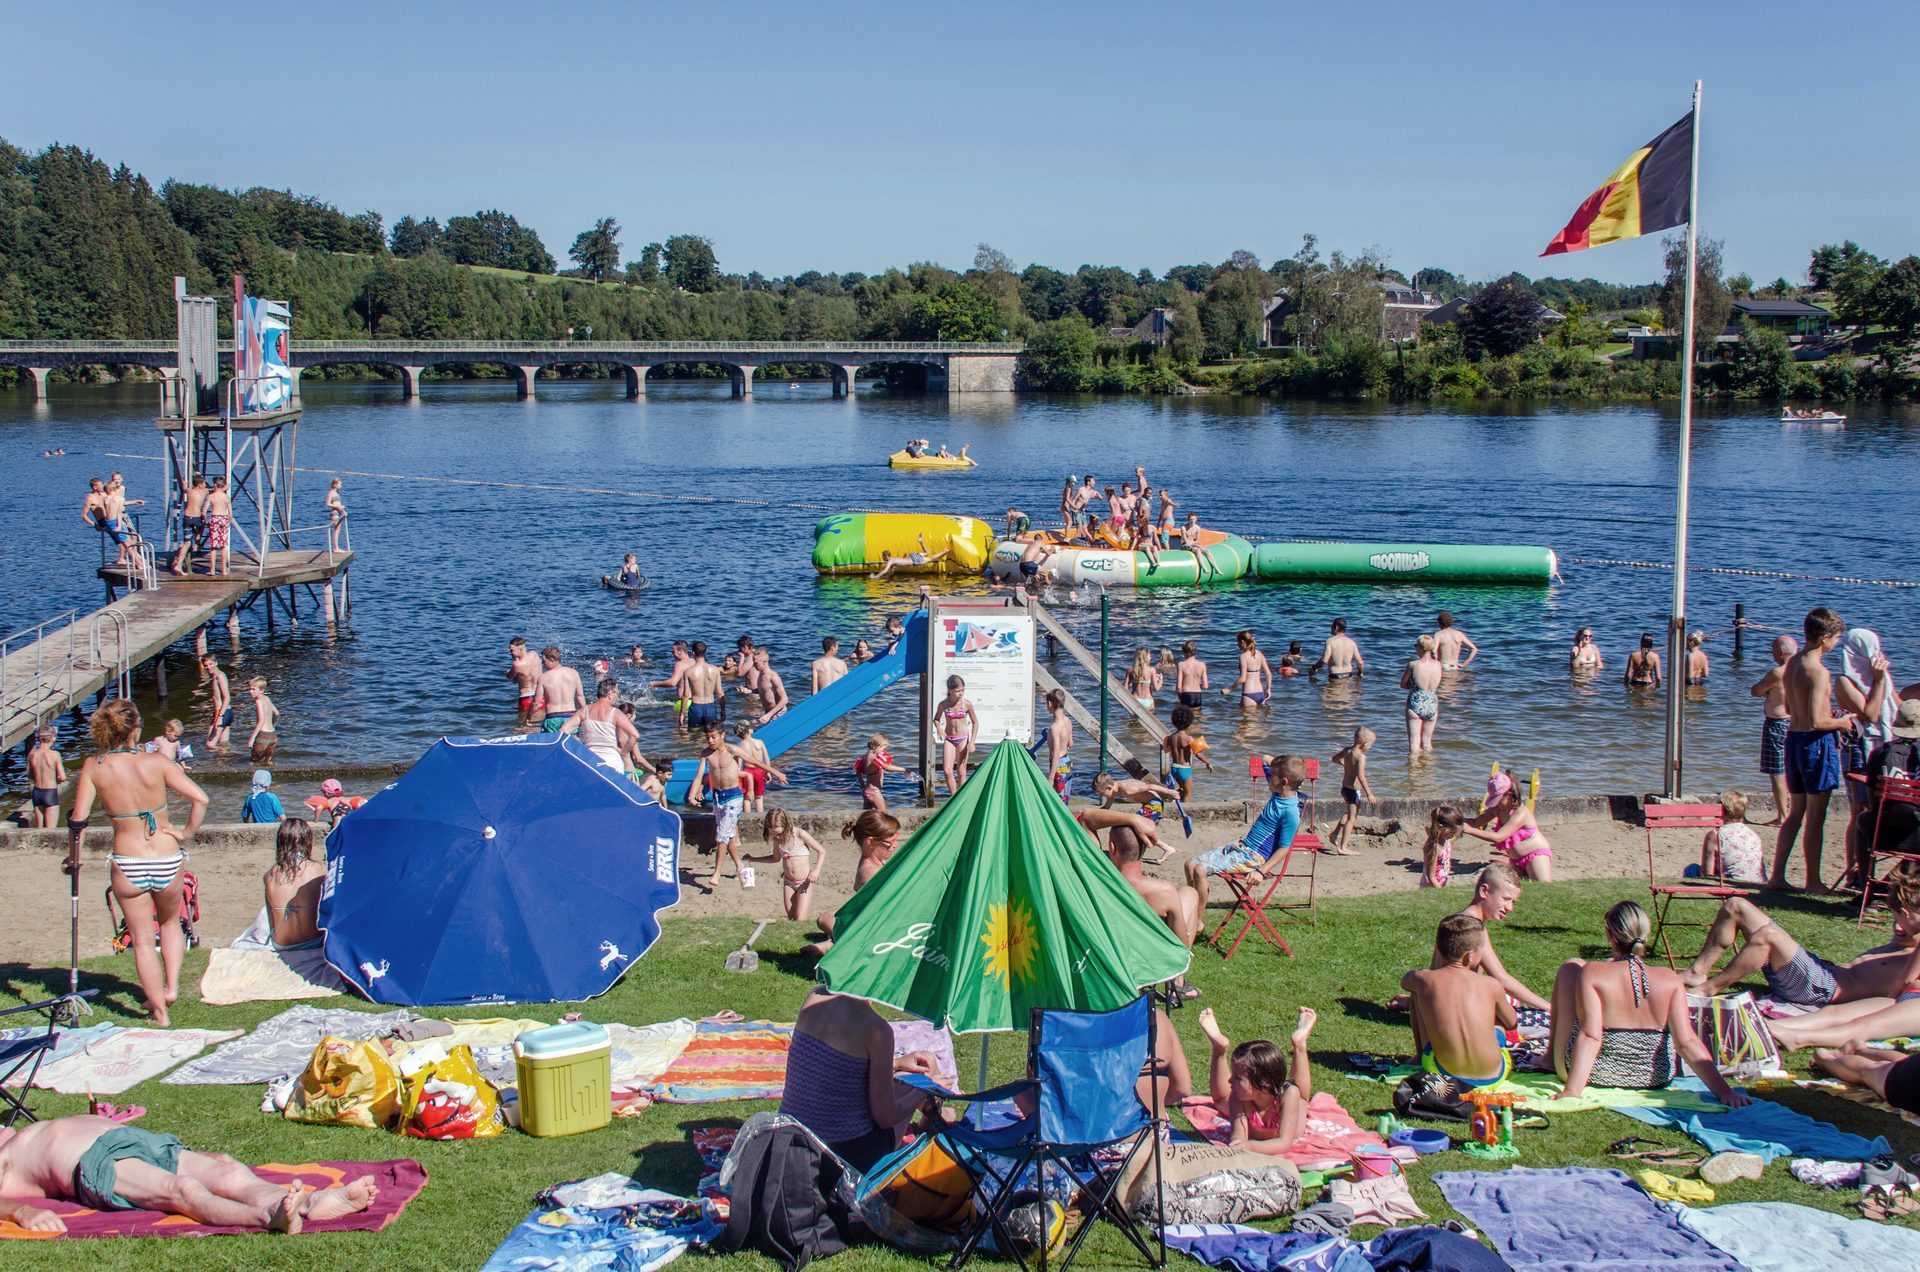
x=810, y=715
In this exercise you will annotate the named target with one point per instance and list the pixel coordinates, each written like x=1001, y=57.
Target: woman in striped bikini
x=148, y=851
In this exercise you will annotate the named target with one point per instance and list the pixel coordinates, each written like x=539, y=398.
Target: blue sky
x=846, y=136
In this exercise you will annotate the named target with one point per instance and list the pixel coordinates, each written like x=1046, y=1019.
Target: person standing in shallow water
x=1643, y=666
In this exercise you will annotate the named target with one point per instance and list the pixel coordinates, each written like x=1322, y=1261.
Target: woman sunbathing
x=1619, y=1023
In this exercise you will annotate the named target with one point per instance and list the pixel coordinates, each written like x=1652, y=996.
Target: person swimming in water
x=1643, y=666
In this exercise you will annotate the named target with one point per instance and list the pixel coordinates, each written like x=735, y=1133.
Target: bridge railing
x=36, y=670
x=550, y=346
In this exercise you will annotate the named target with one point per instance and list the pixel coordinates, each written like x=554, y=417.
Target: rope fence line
x=679, y=497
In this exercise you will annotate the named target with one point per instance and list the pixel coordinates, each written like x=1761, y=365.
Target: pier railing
x=36, y=667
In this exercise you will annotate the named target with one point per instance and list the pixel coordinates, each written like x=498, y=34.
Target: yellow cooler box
x=566, y=1079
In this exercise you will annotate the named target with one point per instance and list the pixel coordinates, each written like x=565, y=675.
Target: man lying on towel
x=107, y=1166
x=1460, y=1017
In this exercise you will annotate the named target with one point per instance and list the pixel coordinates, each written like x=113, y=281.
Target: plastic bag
x=447, y=1099
x=346, y=1084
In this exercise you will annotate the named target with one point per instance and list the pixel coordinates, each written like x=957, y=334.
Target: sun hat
x=1497, y=785
x=262, y=779
x=1906, y=721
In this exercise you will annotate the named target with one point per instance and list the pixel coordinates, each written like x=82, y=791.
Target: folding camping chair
x=1892, y=790
x=1302, y=856
x=29, y=1050
x=1714, y=888
x=1081, y=1072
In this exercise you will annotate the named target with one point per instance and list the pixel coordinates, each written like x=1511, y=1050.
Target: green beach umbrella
x=1000, y=904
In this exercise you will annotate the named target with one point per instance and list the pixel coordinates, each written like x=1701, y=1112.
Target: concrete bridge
x=951, y=366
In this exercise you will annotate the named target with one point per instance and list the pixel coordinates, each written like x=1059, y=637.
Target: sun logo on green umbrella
x=1012, y=939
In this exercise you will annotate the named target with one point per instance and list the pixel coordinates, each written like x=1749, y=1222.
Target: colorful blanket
x=728, y=1060
x=283, y=1044
x=65, y=1043
x=1240, y=1248
x=268, y=976
x=579, y=1239
x=399, y=1183
x=1777, y=1236
x=1328, y=1136
x=1763, y=1127
x=123, y=1060
x=1576, y=1219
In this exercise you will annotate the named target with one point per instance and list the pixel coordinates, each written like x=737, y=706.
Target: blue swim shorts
x=1813, y=762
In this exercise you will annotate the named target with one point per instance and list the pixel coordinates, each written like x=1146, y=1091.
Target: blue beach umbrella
x=498, y=870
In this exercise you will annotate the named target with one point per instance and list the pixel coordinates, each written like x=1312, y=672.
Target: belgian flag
x=1649, y=192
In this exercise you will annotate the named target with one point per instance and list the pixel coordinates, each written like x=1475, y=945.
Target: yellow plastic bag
x=448, y=1099
x=346, y=1084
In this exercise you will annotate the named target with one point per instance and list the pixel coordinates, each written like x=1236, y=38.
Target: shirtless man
x=560, y=692
x=193, y=525
x=1190, y=677
x=829, y=666
x=105, y=1165
x=222, y=695
x=1813, y=746
x=1256, y=673
x=1177, y=904
x=1340, y=656
x=719, y=772
x=93, y=509
x=1772, y=689
x=700, y=685
x=1448, y=643
x=773, y=690
x=523, y=669
x=46, y=771
x=219, y=507
x=1460, y=1017
x=676, y=680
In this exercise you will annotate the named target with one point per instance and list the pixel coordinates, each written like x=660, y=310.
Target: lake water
x=720, y=497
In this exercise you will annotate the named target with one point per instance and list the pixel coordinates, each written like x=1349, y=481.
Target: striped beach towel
x=728, y=1060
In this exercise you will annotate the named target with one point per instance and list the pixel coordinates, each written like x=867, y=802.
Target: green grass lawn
x=1345, y=968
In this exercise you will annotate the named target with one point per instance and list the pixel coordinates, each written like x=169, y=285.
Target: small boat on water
x=901, y=459
x=1790, y=416
x=613, y=584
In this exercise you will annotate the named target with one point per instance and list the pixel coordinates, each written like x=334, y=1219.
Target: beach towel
x=1538, y=1090
x=1778, y=1236
x=399, y=1183
x=1576, y=1219
x=282, y=1044
x=267, y=976
x=1427, y=1249
x=121, y=1061
x=1855, y=1095
x=1239, y=1248
x=1327, y=1135
x=578, y=1239
x=1763, y=1127
x=641, y=1054
x=924, y=1035
x=65, y=1043
x=728, y=1060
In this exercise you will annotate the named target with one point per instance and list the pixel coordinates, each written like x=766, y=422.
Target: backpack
x=787, y=1201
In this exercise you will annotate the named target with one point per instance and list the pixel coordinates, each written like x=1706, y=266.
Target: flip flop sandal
x=1678, y=1157
x=1880, y=1203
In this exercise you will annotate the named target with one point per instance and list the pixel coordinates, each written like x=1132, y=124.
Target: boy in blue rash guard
x=1267, y=840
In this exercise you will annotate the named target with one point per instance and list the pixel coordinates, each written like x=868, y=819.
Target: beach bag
x=924, y=1184
x=1211, y=1183
x=447, y=1099
x=346, y=1084
x=787, y=1198
x=1736, y=1035
x=1430, y=1095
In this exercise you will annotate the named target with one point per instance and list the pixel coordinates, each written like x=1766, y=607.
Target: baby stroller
x=189, y=915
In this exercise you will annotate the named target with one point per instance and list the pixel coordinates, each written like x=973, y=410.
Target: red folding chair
x=1297, y=863
x=1711, y=888
x=1892, y=790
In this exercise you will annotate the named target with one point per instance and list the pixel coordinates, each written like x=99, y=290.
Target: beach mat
x=399, y=1181
x=728, y=1060
x=1779, y=1236
x=1577, y=1219
x=65, y=1043
x=1763, y=1127
x=283, y=1044
x=121, y=1061
x=267, y=976
x=1328, y=1133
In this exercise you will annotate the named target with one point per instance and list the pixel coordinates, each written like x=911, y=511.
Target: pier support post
x=327, y=593
x=636, y=383
x=527, y=375
x=160, y=675
x=743, y=380
x=39, y=375
x=410, y=378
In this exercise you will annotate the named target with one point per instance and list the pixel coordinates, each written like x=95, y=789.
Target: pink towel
x=1328, y=1136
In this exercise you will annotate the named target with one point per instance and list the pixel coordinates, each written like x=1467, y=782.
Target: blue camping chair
x=1081, y=1071
x=22, y=1056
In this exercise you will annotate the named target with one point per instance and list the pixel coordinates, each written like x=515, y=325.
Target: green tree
x=1047, y=294
x=955, y=310
x=1827, y=260
x=415, y=238
x=1854, y=280
x=1762, y=362
x=1740, y=286
x=1059, y=357
x=690, y=264
x=597, y=250
x=1896, y=298
x=1712, y=305
x=1502, y=318
x=1439, y=282
x=645, y=272
x=1233, y=307
x=495, y=239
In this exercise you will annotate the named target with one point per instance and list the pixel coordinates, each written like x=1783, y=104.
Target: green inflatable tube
x=1404, y=563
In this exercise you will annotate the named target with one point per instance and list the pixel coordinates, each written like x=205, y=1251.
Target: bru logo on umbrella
x=914, y=943
x=1012, y=939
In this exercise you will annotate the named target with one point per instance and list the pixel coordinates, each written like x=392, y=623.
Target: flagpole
x=1677, y=620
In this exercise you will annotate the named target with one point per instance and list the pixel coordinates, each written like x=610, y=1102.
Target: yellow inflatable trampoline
x=853, y=543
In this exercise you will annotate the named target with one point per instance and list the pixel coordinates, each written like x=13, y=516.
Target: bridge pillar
x=527, y=375
x=296, y=383
x=843, y=378
x=743, y=379
x=636, y=382
x=980, y=373
x=39, y=375
x=410, y=378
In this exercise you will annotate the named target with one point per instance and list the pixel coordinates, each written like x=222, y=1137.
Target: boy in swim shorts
x=104, y=1165
x=719, y=772
x=1181, y=751
x=1353, y=786
x=45, y=772
x=1813, y=747
x=1461, y=1018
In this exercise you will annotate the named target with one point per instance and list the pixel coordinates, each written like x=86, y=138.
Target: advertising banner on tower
x=992, y=650
x=261, y=331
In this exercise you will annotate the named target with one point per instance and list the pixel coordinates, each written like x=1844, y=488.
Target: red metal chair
x=1891, y=790
x=1710, y=888
x=1297, y=863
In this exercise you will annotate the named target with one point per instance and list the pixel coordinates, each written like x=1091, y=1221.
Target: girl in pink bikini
x=1508, y=824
